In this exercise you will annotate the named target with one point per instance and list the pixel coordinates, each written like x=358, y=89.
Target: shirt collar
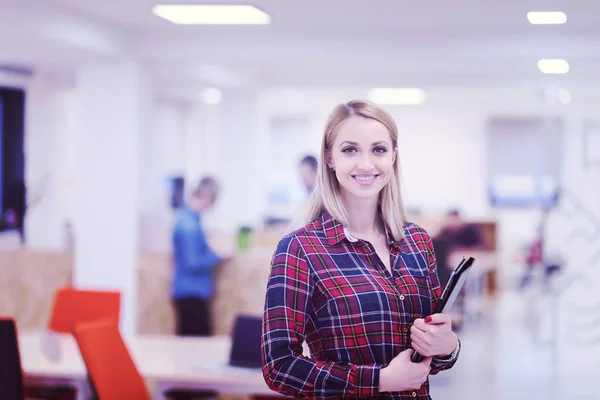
x=335, y=232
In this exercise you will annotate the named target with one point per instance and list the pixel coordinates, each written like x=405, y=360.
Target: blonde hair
x=208, y=186
x=326, y=194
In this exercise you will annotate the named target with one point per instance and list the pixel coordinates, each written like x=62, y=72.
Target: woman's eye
x=379, y=150
x=349, y=150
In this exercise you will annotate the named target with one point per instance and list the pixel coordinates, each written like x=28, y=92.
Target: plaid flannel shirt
x=333, y=292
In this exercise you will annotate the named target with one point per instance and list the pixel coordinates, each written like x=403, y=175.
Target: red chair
x=112, y=370
x=71, y=306
x=74, y=305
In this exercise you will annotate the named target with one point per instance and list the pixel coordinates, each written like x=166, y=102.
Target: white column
x=114, y=113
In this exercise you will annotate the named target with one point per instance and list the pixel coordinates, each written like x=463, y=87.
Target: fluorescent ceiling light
x=397, y=96
x=553, y=66
x=547, y=17
x=212, y=14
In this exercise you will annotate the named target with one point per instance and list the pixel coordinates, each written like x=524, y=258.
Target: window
x=525, y=161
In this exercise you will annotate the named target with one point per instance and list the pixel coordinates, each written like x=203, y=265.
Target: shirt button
x=414, y=394
x=401, y=297
x=405, y=329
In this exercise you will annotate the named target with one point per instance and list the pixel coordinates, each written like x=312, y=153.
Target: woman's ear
x=395, y=155
x=329, y=160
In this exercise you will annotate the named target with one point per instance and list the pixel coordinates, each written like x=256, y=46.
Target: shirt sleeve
x=286, y=315
x=194, y=248
x=437, y=364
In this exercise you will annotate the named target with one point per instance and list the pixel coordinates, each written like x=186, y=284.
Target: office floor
x=502, y=359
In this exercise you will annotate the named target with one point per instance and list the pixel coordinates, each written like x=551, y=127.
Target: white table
x=166, y=361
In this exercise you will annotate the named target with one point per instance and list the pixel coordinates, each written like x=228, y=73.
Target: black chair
x=441, y=249
x=245, y=343
x=245, y=347
x=11, y=374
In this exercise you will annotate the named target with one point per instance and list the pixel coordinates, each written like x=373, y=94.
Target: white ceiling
x=313, y=42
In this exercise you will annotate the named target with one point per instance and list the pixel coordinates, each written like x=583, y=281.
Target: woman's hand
x=433, y=336
x=402, y=374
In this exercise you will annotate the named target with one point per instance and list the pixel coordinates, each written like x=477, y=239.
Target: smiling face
x=362, y=155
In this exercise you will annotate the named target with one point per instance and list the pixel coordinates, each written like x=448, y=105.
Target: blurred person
x=307, y=177
x=455, y=234
x=307, y=170
x=357, y=283
x=458, y=233
x=536, y=256
x=533, y=257
x=192, y=287
x=287, y=200
x=14, y=215
x=10, y=219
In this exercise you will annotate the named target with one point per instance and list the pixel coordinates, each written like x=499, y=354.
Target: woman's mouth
x=364, y=179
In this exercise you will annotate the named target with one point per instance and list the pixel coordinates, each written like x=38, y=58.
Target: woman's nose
x=365, y=163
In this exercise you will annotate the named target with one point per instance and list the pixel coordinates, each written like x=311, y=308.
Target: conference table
x=165, y=362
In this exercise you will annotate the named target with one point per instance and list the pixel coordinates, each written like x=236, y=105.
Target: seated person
x=457, y=233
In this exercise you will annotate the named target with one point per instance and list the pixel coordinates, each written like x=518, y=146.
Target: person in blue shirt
x=194, y=262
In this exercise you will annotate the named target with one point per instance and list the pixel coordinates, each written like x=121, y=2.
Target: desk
x=165, y=361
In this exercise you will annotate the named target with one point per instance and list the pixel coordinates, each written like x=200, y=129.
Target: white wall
x=14, y=80
x=51, y=142
x=51, y=160
x=161, y=158
x=239, y=160
x=442, y=147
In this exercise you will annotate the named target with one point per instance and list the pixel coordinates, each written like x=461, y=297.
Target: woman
x=357, y=283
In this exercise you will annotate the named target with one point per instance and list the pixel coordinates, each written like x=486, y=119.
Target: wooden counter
x=240, y=288
x=29, y=279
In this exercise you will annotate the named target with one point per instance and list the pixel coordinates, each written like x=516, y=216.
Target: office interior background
x=105, y=107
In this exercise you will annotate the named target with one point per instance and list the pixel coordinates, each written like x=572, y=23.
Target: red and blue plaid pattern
x=333, y=292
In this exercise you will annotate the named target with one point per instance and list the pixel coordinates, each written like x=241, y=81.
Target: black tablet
x=453, y=287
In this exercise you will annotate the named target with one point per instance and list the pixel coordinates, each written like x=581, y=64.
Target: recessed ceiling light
x=547, y=17
x=397, y=96
x=212, y=14
x=553, y=96
x=553, y=66
x=564, y=96
x=211, y=95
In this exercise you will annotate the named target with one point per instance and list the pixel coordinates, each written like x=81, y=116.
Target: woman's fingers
x=438, y=319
